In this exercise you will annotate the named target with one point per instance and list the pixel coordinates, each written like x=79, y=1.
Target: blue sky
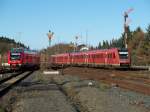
x=28, y=21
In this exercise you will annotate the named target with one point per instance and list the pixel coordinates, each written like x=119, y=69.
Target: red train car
x=98, y=58
x=23, y=58
x=60, y=59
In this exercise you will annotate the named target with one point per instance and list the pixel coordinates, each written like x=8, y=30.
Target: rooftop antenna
x=126, y=25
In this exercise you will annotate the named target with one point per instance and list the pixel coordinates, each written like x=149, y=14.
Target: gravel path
x=36, y=95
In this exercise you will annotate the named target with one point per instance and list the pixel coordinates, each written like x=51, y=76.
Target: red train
x=23, y=58
x=99, y=58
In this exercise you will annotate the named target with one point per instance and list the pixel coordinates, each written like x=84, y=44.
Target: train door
x=72, y=59
x=85, y=58
x=68, y=58
x=106, y=58
x=110, y=58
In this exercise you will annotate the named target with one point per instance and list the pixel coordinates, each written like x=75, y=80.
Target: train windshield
x=15, y=56
x=123, y=54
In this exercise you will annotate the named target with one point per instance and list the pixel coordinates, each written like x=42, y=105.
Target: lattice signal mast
x=126, y=23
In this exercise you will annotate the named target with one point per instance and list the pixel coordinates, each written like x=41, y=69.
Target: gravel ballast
x=67, y=93
x=99, y=97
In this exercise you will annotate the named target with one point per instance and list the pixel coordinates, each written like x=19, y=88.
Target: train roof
x=85, y=52
x=94, y=51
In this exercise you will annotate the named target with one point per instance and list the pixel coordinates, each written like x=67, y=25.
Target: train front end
x=15, y=59
x=124, y=58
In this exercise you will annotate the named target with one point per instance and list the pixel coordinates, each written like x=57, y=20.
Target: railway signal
x=50, y=35
x=126, y=25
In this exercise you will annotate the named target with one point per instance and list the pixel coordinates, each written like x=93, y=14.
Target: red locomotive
x=99, y=58
x=23, y=58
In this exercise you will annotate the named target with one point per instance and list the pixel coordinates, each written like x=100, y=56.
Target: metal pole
x=126, y=36
x=62, y=69
x=125, y=31
x=86, y=38
x=49, y=42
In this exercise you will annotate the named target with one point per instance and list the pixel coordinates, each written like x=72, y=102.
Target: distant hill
x=7, y=43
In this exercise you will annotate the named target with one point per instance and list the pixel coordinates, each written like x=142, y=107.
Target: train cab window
x=15, y=56
x=123, y=54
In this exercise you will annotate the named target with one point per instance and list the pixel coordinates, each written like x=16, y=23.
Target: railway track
x=131, y=80
x=8, y=76
x=7, y=83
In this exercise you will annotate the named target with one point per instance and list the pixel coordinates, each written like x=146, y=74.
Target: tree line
x=7, y=43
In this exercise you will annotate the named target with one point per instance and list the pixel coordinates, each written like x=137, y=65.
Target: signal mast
x=50, y=35
x=126, y=24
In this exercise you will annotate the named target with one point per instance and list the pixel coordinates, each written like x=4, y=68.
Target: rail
x=6, y=85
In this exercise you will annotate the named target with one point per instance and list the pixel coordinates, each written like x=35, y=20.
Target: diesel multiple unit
x=98, y=58
x=23, y=58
